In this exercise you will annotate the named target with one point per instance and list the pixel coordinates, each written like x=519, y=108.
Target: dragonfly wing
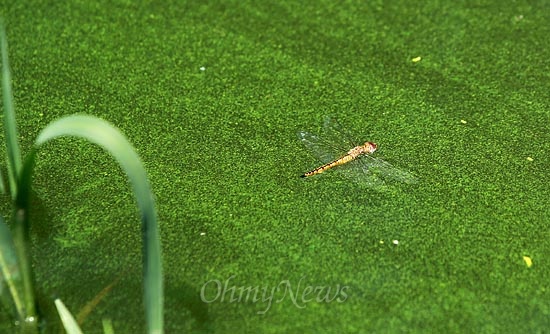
x=335, y=133
x=332, y=143
x=370, y=169
x=335, y=141
x=356, y=171
x=320, y=147
x=385, y=170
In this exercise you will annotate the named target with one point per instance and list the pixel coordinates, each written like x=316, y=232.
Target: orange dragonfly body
x=358, y=163
x=355, y=152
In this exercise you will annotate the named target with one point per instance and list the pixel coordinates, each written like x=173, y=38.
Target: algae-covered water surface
x=212, y=96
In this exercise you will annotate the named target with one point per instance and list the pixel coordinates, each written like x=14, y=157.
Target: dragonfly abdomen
x=345, y=159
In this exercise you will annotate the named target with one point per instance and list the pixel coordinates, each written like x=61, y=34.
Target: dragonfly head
x=371, y=146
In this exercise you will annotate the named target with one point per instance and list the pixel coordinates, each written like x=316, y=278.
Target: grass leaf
x=108, y=326
x=10, y=129
x=10, y=268
x=67, y=318
x=25, y=303
x=105, y=135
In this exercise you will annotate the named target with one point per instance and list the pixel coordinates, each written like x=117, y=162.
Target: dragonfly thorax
x=367, y=148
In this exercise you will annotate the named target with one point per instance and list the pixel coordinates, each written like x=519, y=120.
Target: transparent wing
x=334, y=132
x=368, y=166
x=335, y=141
x=331, y=144
x=385, y=170
x=318, y=146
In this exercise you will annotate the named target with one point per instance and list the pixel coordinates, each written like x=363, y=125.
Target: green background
x=224, y=161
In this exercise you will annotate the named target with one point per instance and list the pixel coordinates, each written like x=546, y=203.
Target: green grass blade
x=10, y=268
x=105, y=135
x=10, y=129
x=2, y=186
x=107, y=326
x=67, y=318
x=25, y=303
x=21, y=240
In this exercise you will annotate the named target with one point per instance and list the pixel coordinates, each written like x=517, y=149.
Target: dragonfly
x=336, y=151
